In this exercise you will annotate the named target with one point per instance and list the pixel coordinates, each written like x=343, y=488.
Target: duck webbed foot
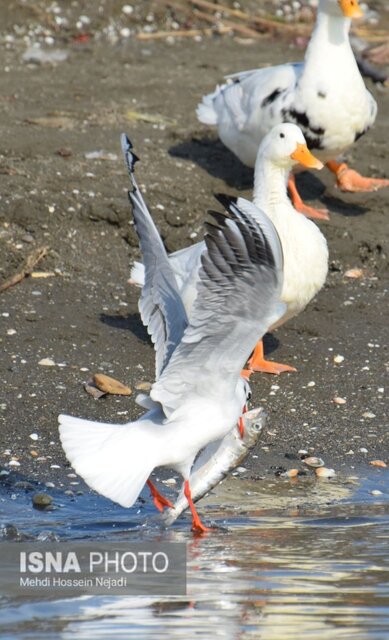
x=349, y=180
x=301, y=207
x=257, y=362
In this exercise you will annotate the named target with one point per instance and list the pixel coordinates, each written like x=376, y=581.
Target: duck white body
x=325, y=95
x=304, y=246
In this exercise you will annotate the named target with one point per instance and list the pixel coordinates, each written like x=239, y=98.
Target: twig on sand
x=28, y=266
x=265, y=23
x=232, y=26
x=182, y=33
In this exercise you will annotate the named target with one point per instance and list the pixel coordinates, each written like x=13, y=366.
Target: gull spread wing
x=160, y=304
x=238, y=298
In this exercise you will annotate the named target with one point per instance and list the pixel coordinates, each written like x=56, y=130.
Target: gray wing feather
x=238, y=299
x=160, y=304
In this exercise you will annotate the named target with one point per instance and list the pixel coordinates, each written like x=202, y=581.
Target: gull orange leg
x=310, y=212
x=241, y=422
x=197, y=525
x=350, y=180
x=159, y=500
x=257, y=362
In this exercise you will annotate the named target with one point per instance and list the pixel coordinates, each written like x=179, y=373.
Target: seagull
x=198, y=394
x=325, y=95
x=304, y=246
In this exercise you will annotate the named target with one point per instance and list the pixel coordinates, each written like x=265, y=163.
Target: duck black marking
x=313, y=135
x=359, y=134
x=271, y=97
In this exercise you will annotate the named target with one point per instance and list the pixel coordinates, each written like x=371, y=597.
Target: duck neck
x=329, y=46
x=270, y=186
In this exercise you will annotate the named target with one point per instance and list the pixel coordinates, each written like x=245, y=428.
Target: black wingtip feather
x=130, y=157
x=225, y=200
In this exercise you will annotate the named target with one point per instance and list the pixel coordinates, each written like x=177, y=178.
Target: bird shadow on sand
x=212, y=156
x=130, y=322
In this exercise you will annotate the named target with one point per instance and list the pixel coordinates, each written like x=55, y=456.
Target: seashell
x=314, y=462
x=354, y=273
x=291, y=473
x=110, y=385
x=338, y=400
x=324, y=472
x=378, y=463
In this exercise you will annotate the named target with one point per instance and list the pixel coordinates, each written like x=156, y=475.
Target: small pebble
x=338, y=400
x=378, y=463
x=170, y=481
x=41, y=500
x=311, y=384
x=376, y=492
x=34, y=453
x=11, y=332
x=14, y=463
x=241, y=469
x=33, y=436
x=50, y=485
x=368, y=414
x=338, y=359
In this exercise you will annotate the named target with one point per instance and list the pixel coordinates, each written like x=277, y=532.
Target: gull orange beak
x=351, y=8
x=303, y=155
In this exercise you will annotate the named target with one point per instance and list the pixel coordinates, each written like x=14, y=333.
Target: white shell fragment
x=47, y=362
x=338, y=400
x=338, y=359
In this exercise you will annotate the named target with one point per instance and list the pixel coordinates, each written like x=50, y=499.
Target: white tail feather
x=206, y=111
x=115, y=460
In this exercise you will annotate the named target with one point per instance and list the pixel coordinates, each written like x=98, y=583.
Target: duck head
x=347, y=8
x=285, y=146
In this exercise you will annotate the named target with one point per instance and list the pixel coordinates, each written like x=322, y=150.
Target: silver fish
x=217, y=460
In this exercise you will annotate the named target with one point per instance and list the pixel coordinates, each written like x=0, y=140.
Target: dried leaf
x=55, y=122
x=110, y=385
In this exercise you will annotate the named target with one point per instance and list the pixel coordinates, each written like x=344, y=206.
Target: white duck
x=325, y=95
x=199, y=393
x=304, y=246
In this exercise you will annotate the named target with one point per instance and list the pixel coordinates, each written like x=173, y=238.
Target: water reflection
x=318, y=569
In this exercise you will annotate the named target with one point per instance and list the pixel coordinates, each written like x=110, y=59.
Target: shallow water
x=290, y=560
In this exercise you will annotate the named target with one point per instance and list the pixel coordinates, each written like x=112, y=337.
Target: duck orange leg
x=299, y=205
x=159, y=500
x=350, y=180
x=257, y=362
x=197, y=525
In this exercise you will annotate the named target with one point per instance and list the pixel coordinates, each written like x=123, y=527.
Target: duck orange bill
x=303, y=155
x=351, y=8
